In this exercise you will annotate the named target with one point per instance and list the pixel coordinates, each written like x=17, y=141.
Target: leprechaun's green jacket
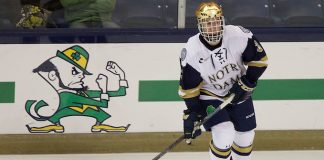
x=88, y=10
x=81, y=104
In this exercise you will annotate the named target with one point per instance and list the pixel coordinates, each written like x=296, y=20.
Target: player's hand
x=32, y=17
x=115, y=69
x=102, y=82
x=242, y=89
x=190, y=128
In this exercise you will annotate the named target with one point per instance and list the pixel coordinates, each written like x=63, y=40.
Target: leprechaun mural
x=65, y=73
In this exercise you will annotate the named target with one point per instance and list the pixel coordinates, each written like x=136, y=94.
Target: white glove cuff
x=123, y=83
x=104, y=96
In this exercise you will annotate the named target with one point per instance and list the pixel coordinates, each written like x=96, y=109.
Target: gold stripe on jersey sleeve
x=189, y=93
x=262, y=63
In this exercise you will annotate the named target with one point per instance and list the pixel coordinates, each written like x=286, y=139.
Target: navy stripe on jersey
x=193, y=105
x=255, y=58
x=253, y=52
x=254, y=73
x=190, y=77
x=190, y=84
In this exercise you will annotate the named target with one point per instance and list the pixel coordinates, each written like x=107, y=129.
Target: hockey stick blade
x=175, y=143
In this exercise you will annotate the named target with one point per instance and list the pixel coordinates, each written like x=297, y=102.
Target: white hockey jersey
x=209, y=72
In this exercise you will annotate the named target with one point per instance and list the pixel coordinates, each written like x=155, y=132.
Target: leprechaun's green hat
x=77, y=56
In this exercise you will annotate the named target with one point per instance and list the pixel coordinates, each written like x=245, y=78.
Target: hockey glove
x=32, y=17
x=190, y=120
x=242, y=89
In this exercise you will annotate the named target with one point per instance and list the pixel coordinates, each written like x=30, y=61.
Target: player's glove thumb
x=242, y=89
x=191, y=127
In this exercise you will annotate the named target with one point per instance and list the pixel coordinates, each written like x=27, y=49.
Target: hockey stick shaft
x=175, y=143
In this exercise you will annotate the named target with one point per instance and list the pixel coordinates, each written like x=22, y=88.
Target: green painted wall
x=7, y=92
x=167, y=90
x=283, y=89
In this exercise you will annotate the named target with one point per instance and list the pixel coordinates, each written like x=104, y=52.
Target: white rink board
x=152, y=61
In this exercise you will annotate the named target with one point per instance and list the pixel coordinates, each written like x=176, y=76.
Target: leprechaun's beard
x=79, y=87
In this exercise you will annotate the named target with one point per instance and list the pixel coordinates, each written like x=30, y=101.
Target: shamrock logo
x=76, y=56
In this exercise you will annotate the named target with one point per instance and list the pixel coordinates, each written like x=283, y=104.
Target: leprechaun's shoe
x=108, y=128
x=46, y=129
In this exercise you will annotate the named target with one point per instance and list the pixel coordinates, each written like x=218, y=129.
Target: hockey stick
x=175, y=143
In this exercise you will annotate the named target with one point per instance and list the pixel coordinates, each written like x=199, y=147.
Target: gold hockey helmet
x=210, y=22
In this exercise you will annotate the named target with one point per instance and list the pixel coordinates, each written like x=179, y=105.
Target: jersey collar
x=207, y=45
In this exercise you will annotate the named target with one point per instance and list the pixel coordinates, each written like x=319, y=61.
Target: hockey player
x=219, y=61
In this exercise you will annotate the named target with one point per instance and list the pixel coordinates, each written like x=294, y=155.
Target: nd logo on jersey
x=218, y=80
x=227, y=71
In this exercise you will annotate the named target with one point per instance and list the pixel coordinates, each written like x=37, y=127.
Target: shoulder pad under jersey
x=237, y=31
x=189, y=52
